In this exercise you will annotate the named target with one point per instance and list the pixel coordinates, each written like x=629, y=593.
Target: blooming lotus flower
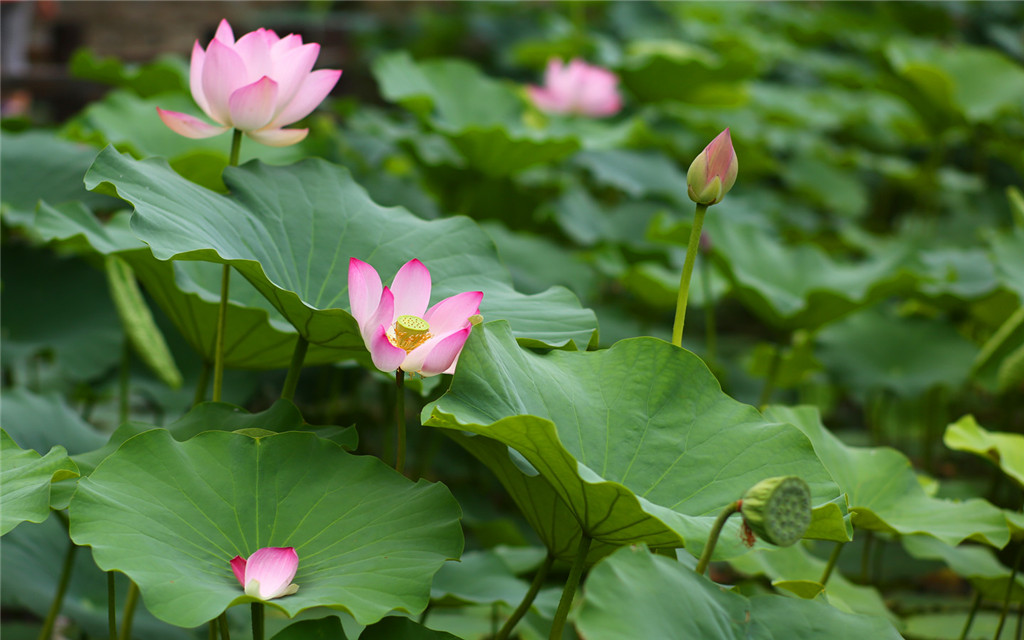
x=258, y=84
x=713, y=172
x=268, y=573
x=398, y=329
x=577, y=88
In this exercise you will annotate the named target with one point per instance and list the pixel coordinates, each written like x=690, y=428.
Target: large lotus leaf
x=41, y=421
x=873, y=349
x=488, y=129
x=291, y=230
x=636, y=173
x=637, y=594
x=171, y=515
x=884, y=493
x=30, y=568
x=638, y=441
x=977, y=564
x=395, y=628
x=1008, y=255
x=328, y=628
x=26, y=477
x=479, y=577
x=168, y=73
x=1004, y=449
x=256, y=336
x=653, y=68
x=799, y=286
x=38, y=164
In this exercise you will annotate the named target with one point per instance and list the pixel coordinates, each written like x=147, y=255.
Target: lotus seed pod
x=778, y=509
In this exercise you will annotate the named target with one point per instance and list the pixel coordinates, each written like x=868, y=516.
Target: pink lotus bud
x=258, y=85
x=268, y=573
x=577, y=88
x=398, y=329
x=713, y=172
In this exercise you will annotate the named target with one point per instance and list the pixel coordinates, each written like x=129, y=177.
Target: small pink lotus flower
x=258, y=84
x=398, y=329
x=713, y=172
x=577, y=88
x=268, y=573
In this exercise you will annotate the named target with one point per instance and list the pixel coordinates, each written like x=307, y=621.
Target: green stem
x=257, y=621
x=716, y=530
x=218, y=345
x=1009, y=591
x=204, y=381
x=975, y=603
x=295, y=369
x=222, y=620
x=832, y=562
x=236, y=147
x=865, y=558
x=400, y=422
x=111, y=605
x=524, y=606
x=128, y=616
x=58, y=598
x=570, y=587
x=769, y=382
x=212, y=632
x=684, y=281
x=123, y=386
x=710, y=333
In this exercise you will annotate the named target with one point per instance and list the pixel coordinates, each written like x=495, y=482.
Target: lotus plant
x=398, y=329
x=257, y=85
x=577, y=88
x=267, y=573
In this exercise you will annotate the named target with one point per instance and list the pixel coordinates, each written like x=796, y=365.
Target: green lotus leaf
x=328, y=628
x=171, y=515
x=24, y=412
x=638, y=441
x=975, y=563
x=998, y=364
x=1007, y=251
x=291, y=230
x=637, y=594
x=488, y=130
x=168, y=73
x=637, y=174
x=1004, y=449
x=479, y=577
x=26, y=477
x=395, y=628
x=653, y=67
x=884, y=493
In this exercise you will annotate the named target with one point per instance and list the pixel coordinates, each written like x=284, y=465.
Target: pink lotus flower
x=258, y=84
x=713, y=172
x=268, y=573
x=398, y=329
x=577, y=88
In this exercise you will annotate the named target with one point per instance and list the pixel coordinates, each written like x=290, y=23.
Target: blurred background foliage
x=869, y=260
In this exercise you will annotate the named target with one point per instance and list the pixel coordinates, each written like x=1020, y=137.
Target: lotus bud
x=267, y=573
x=712, y=174
x=778, y=509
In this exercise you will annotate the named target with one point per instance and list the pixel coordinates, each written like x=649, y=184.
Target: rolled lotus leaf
x=778, y=510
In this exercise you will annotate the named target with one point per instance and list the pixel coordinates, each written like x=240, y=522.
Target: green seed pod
x=778, y=509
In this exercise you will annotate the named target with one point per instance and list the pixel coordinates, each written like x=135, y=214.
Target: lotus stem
x=833, y=557
x=222, y=621
x=291, y=381
x=716, y=530
x=569, y=591
x=128, y=616
x=684, y=282
x=58, y=598
x=225, y=280
x=236, y=147
x=111, y=605
x=124, y=387
x=1009, y=591
x=202, y=383
x=531, y=595
x=400, y=422
x=212, y=632
x=975, y=604
x=257, y=620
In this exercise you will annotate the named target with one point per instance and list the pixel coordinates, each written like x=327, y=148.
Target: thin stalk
x=58, y=598
x=128, y=616
x=202, y=384
x=222, y=621
x=865, y=558
x=225, y=280
x=716, y=530
x=524, y=606
x=769, y=382
x=1020, y=622
x=124, y=388
x=111, y=605
x=831, y=562
x=212, y=632
x=495, y=614
x=291, y=381
x=400, y=422
x=684, y=281
x=1009, y=590
x=975, y=603
x=570, y=587
x=710, y=332
x=257, y=621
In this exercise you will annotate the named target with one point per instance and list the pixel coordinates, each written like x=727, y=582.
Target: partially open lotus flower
x=713, y=172
x=268, y=573
x=399, y=330
x=257, y=84
x=577, y=88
